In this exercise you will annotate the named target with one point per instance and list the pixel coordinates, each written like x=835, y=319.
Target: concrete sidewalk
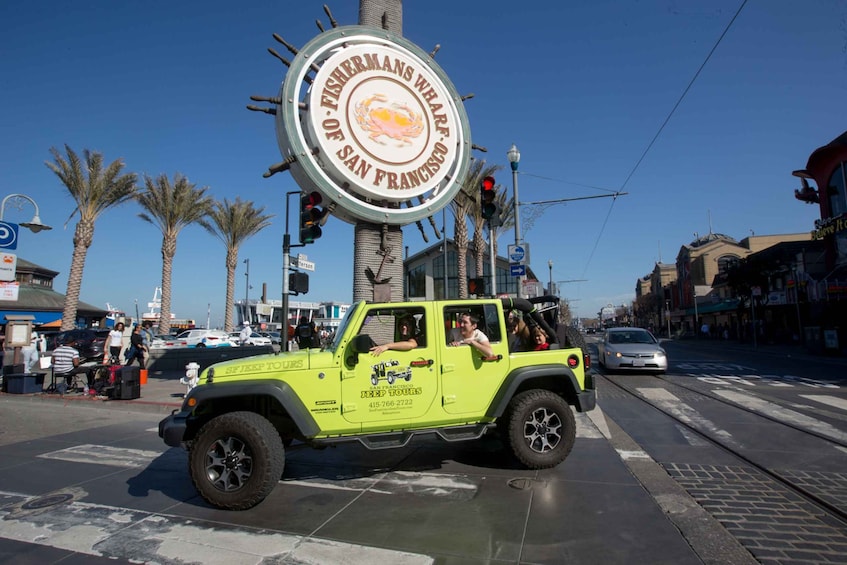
x=162, y=393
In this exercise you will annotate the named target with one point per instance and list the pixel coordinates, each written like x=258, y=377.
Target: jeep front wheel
x=541, y=429
x=236, y=460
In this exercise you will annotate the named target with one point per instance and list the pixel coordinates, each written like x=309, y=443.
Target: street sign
x=517, y=270
x=8, y=235
x=302, y=262
x=517, y=254
x=8, y=265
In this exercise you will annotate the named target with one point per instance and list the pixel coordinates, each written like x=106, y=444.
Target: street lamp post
x=514, y=157
x=668, y=316
x=35, y=224
x=550, y=288
x=247, y=292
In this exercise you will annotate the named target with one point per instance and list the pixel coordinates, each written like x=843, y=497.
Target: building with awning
x=36, y=298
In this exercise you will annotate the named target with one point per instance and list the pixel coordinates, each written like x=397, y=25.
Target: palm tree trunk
x=168, y=252
x=231, y=264
x=83, y=235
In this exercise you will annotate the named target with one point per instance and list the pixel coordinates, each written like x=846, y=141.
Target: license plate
x=638, y=362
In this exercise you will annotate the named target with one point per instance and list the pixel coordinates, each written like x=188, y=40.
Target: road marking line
x=684, y=413
x=782, y=414
x=834, y=401
x=144, y=537
x=103, y=455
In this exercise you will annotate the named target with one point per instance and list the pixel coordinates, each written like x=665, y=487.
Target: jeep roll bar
x=528, y=307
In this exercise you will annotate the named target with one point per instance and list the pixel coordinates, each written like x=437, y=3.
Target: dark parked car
x=90, y=343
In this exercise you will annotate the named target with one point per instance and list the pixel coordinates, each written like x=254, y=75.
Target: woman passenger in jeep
x=408, y=337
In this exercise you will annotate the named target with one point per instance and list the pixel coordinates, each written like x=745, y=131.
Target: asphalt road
x=84, y=482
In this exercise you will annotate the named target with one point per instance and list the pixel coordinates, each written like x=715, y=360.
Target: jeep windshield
x=342, y=327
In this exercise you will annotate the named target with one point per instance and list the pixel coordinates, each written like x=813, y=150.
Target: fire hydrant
x=192, y=374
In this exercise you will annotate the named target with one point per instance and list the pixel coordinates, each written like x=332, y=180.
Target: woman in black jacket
x=136, y=347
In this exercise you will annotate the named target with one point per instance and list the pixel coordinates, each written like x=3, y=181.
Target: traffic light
x=298, y=282
x=488, y=199
x=311, y=216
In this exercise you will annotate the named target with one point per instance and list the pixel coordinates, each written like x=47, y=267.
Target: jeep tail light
x=586, y=360
x=573, y=361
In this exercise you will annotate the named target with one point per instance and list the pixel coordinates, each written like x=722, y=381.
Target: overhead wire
x=659, y=131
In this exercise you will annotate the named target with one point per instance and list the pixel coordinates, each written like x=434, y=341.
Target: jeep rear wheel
x=541, y=429
x=236, y=460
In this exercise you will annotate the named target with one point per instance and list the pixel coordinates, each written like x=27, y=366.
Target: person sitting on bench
x=65, y=361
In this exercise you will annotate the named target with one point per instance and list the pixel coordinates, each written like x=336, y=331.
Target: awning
x=39, y=318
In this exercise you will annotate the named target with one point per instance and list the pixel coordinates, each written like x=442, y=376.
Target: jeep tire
x=573, y=338
x=236, y=460
x=541, y=428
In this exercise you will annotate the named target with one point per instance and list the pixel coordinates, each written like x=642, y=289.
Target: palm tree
x=95, y=189
x=171, y=207
x=233, y=223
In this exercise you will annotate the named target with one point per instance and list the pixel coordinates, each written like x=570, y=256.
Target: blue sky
x=581, y=87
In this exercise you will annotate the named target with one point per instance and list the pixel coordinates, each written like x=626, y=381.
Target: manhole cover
x=520, y=483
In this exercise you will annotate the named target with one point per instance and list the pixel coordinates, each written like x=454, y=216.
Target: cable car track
x=799, y=490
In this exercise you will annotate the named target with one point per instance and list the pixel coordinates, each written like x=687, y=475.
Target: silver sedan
x=631, y=349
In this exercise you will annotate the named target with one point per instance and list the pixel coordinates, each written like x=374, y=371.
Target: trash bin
x=24, y=383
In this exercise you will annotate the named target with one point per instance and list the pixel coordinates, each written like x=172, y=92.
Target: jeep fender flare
x=279, y=391
x=520, y=376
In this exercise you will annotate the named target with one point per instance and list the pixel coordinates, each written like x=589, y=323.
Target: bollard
x=192, y=372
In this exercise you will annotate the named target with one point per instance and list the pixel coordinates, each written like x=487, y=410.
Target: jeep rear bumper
x=586, y=401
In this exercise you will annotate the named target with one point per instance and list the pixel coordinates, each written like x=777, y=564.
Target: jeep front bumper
x=172, y=429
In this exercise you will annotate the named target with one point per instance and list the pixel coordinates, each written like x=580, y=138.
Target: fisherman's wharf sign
x=373, y=124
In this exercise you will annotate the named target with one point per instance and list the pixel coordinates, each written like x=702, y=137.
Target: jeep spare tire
x=541, y=428
x=236, y=460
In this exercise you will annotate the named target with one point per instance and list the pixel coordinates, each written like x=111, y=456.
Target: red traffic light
x=488, y=198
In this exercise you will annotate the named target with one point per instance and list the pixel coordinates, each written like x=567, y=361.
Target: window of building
x=727, y=262
x=417, y=282
x=836, y=192
x=438, y=276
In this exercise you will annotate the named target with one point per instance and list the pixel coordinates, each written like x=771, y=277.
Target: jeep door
x=398, y=385
x=468, y=381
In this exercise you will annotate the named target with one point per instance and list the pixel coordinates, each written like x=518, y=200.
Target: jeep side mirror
x=360, y=344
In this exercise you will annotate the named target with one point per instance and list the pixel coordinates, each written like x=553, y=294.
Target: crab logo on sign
x=379, y=130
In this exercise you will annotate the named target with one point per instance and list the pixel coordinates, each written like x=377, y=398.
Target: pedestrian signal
x=298, y=282
x=476, y=286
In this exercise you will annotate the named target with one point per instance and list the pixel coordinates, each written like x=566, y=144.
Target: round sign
x=374, y=125
x=8, y=235
x=517, y=253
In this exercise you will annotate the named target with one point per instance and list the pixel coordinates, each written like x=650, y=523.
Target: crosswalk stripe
x=60, y=520
x=103, y=455
x=782, y=414
x=834, y=401
x=672, y=405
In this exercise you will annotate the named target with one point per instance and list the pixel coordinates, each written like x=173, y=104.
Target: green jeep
x=237, y=422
